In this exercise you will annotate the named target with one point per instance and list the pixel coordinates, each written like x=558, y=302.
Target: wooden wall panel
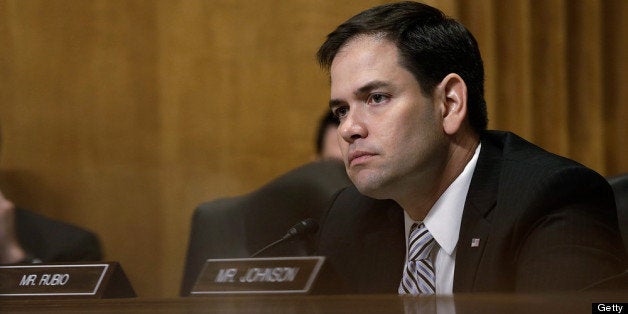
x=81, y=119
x=122, y=116
x=513, y=103
x=615, y=74
x=548, y=75
x=585, y=77
x=481, y=19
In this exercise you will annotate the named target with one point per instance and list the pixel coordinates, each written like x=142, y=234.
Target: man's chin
x=371, y=189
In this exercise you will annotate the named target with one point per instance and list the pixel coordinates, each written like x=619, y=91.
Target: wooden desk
x=459, y=304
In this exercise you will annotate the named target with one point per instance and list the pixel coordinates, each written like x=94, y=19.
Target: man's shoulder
x=517, y=152
x=27, y=219
x=528, y=172
x=54, y=240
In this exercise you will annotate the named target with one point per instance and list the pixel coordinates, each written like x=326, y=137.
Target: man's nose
x=353, y=127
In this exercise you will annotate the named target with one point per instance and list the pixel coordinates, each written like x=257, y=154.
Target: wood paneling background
x=122, y=116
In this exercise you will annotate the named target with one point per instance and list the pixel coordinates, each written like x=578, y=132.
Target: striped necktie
x=418, y=275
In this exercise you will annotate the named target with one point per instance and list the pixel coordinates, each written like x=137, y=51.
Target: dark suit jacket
x=54, y=241
x=544, y=223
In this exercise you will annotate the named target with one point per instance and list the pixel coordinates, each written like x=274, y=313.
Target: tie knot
x=420, y=243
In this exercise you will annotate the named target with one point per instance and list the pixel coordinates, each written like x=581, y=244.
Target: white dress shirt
x=443, y=222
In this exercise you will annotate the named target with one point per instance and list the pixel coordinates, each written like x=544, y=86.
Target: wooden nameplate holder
x=68, y=280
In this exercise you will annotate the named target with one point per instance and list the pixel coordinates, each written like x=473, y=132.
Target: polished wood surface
x=459, y=304
x=123, y=115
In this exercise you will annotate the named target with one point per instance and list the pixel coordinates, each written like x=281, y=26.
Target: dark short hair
x=325, y=121
x=431, y=46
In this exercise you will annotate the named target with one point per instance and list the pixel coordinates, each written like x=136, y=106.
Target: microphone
x=302, y=228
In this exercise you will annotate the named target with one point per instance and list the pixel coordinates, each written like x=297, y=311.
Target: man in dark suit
x=440, y=204
x=39, y=239
x=28, y=237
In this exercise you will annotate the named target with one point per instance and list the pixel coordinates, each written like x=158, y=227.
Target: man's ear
x=454, y=108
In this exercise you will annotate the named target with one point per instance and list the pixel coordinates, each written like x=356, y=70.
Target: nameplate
x=258, y=275
x=73, y=280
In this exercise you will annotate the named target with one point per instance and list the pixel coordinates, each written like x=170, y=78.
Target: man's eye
x=377, y=98
x=341, y=112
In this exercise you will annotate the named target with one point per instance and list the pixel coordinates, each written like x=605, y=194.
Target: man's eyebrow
x=367, y=88
x=333, y=103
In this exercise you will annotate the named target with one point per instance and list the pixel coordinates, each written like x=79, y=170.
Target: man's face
x=391, y=135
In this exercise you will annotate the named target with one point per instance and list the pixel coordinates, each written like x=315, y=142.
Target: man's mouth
x=358, y=157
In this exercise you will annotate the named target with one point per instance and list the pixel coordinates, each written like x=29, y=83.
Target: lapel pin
x=475, y=242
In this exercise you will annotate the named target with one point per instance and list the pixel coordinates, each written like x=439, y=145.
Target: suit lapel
x=475, y=228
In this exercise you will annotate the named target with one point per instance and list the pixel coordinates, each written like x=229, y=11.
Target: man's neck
x=419, y=204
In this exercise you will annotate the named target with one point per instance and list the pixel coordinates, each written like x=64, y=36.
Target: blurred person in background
x=327, y=146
